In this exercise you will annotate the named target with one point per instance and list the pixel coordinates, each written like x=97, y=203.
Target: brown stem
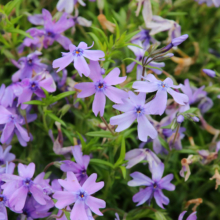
x=177, y=131
x=48, y=165
x=105, y=122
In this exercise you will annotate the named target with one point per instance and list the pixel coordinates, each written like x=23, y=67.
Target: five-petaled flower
x=102, y=87
x=77, y=55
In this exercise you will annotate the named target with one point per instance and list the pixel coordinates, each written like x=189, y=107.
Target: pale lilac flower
x=33, y=44
x=134, y=108
x=209, y=72
x=80, y=195
x=12, y=123
x=209, y=3
x=180, y=119
x=145, y=37
x=68, y=5
x=152, y=84
x=139, y=53
x=76, y=55
x=190, y=217
x=33, y=210
x=154, y=186
x=117, y=216
x=34, y=85
x=137, y=155
x=18, y=187
x=28, y=65
x=5, y=156
x=79, y=168
x=102, y=87
x=52, y=31
x=159, y=24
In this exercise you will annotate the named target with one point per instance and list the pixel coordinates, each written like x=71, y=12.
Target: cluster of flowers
x=34, y=198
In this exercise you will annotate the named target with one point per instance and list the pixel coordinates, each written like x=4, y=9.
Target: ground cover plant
x=109, y=109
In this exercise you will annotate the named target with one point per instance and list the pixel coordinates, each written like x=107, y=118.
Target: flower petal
x=98, y=105
x=26, y=171
x=38, y=194
x=79, y=211
x=93, y=54
x=63, y=61
x=87, y=89
x=81, y=66
x=63, y=198
x=180, y=98
x=95, y=204
x=113, y=77
x=139, y=179
x=114, y=94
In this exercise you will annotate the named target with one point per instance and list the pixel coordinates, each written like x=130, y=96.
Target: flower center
x=2, y=199
x=82, y=195
x=30, y=61
x=163, y=85
x=2, y=162
x=155, y=186
x=100, y=86
x=50, y=34
x=33, y=86
x=78, y=52
x=139, y=111
x=27, y=182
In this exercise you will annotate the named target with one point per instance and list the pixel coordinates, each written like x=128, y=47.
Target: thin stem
x=177, y=131
x=106, y=124
x=48, y=165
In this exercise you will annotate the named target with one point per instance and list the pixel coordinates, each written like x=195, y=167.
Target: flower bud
x=180, y=119
x=178, y=40
x=210, y=73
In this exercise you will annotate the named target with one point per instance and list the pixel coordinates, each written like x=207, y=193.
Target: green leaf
x=132, y=59
x=11, y=5
x=81, y=140
x=55, y=118
x=104, y=134
x=103, y=162
x=177, y=13
x=164, y=143
x=34, y=102
x=160, y=216
x=123, y=170
x=191, y=110
x=129, y=36
x=63, y=95
x=18, y=31
x=122, y=154
x=167, y=126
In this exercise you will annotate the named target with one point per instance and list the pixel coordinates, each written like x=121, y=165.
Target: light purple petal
x=181, y=215
x=67, y=5
x=63, y=61
x=79, y=209
x=145, y=129
x=98, y=105
x=23, y=132
x=48, y=23
x=81, y=66
x=7, y=131
x=192, y=216
x=130, y=67
x=113, y=77
x=95, y=71
x=161, y=99
x=95, y=204
x=87, y=89
x=125, y=107
x=142, y=196
x=145, y=86
x=74, y=182
x=77, y=153
x=26, y=171
x=165, y=183
x=93, y=54
x=36, y=19
x=123, y=121
x=64, y=41
x=180, y=98
x=159, y=199
x=139, y=179
x=38, y=194
x=157, y=171
x=137, y=99
x=90, y=185
x=114, y=94
x=18, y=198
x=63, y=198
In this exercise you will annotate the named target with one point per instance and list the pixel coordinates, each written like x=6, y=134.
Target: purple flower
x=34, y=210
x=134, y=108
x=144, y=36
x=18, y=187
x=5, y=156
x=159, y=24
x=28, y=65
x=154, y=186
x=77, y=55
x=117, y=216
x=68, y=5
x=137, y=155
x=52, y=31
x=80, y=195
x=79, y=168
x=34, y=85
x=12, y=123
x=139, y=53
x=210, y=73
x=209, y=3
x=162, y=87
x=3, y=204
x=33, y=44
x=190, y=217
x=102, y=87
x=180, y=119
